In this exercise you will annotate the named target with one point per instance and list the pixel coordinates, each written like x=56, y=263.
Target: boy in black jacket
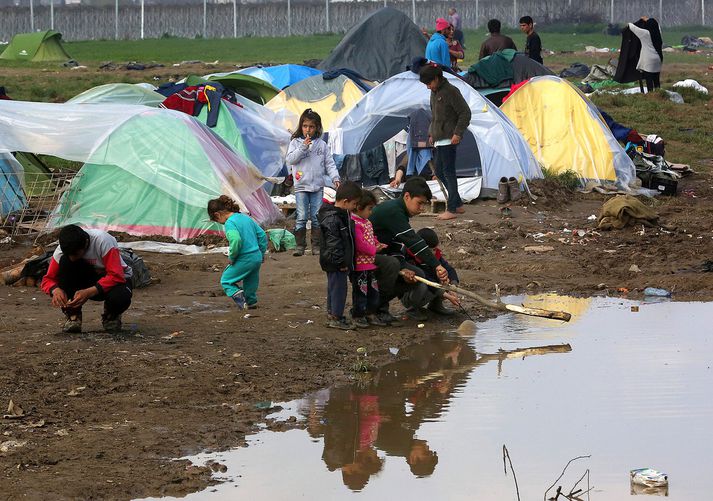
x=336, y=251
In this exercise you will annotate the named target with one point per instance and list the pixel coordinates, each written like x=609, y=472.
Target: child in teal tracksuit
x=248, y=244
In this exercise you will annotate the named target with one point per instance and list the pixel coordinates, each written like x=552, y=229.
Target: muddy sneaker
x=252, y=306
x=341, y=324
x=361, y=322
x=389, y=319
x=376, y=321
x=239, y=300
x=112, y=324
x=514, y=189
x=416, y=314
x=503, y=191
x=437, y=306
x=73, y=325
x=315, y=251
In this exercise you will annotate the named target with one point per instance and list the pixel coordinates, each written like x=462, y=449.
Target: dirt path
x=105, y=414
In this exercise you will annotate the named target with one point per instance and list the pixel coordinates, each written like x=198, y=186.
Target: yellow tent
x=332, y=99
x=566, y=132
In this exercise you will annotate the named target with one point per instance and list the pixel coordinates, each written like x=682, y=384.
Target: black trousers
x=78, y=275
x=392, y=285
x=653, y=81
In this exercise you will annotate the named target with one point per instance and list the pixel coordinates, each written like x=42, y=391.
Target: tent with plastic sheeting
x=492, y=146
x=282, y=75
x=332, y=99
x=118, y=93
x=253, y=88
x=378, y=47
x=36, y=47
x=134, y=179
x=12, y=196
x=566, y=132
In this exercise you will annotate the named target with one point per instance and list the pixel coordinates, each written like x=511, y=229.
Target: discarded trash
x=653, y=291
x=14, y=411
x=466, y=328
x=263, y=405
x=691, y=84
x=421, y=326
x=11, y=444
x=172, y=335
x=634, y=309
x=361, y=350
x=649, y=477
x=538, y=248
x=394, y=351
x=592, y=218
x=634, y=268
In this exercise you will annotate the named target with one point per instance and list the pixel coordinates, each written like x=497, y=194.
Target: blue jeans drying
x=308, y=204
x=446, y=172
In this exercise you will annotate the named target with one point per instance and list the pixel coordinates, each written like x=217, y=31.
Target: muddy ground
x=106, y=414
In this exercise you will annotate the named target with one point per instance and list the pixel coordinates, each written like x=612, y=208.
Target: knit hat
x=442, y=24
x=329, y=195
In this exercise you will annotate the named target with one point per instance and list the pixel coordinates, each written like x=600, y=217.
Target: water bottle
x=653, y=291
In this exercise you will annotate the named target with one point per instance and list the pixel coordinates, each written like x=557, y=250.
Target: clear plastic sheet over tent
x=384, y=110
x=566, y=132
x=147, y=171
x=12, y=196
x=118, y=93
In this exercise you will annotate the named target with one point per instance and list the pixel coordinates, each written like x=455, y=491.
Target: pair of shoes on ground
x=508, y=190
x=346, y=324
x=240, y=301
x=73, y=324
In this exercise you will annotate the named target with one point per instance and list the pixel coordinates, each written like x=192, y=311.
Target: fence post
x=611, y=11
x=116, y=19
x=142, y=19
x=289, y=18
x=477, y=19
x=660, y=11
x=384, y=3
x=235, y=18
x=514, y=12
x=413, y=11
x=703, y=12
x=205, y=12
x=32, y=16
x=326, y=14
x=51, y=14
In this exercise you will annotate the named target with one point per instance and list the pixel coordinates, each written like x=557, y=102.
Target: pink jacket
x=365, y=244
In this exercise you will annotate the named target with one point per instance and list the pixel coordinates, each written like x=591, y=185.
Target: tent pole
x=205, y=11
x=32, y=16
x=142, y=19
x=326, y=14
x=289, y=18
x=116, y=19
x=235, y=18
x=51, y=14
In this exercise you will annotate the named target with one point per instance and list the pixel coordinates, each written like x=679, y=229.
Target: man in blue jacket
x=437, y=48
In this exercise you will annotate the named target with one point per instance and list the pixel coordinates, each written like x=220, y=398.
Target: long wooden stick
x=499, y=305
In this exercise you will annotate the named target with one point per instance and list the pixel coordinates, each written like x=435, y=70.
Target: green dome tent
x=36, y=47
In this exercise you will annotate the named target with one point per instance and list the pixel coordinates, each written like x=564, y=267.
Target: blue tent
x=12, y=197
x=281, y=76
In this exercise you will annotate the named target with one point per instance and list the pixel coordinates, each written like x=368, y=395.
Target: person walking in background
x=495, y=40
x=457, y=23
x=533, y=44
x=648, y=32
x=455, y=49
x=450, y=118
x=310, y=160
x=247, y=246
x=437, y=49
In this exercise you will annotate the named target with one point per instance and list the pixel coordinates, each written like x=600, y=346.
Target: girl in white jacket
x=309, y=161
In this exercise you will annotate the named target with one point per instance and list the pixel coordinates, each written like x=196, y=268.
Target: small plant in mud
x=567, y=179
x=361, y=364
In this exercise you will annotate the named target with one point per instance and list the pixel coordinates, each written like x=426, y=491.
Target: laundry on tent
x=492, y=146
x=281, y=76
x=253, y=88
x=133, y=180
x=331, y=98
x=36, y=47
x=566, y=132
x=378, y=47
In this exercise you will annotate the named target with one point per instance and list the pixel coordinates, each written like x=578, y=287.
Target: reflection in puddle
x=631, y=389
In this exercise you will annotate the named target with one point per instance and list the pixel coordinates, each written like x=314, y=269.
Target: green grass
x=569, y=179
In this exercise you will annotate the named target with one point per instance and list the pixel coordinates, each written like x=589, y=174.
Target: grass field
x=686, y=127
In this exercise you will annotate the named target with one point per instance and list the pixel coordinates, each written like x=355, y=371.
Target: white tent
x=492, y=146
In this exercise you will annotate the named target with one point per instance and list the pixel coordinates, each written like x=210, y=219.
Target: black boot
x=301, y=239
x=315, y=233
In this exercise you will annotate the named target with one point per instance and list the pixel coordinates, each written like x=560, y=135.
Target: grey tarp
x=523, y=68
x=379, y=47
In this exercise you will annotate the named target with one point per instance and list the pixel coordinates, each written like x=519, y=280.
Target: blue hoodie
x=437, y=50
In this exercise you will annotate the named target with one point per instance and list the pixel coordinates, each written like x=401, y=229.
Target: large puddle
x=632, y=389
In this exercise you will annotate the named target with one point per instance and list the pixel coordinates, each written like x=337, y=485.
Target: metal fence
x=224, y=20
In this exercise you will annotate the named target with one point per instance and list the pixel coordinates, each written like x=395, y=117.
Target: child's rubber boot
x=301, y=240
x=314, y=236
x=239, y=300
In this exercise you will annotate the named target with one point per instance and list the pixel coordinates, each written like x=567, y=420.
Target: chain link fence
x=124, y=20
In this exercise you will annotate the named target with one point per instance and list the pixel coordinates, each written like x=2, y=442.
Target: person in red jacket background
x=87, y=265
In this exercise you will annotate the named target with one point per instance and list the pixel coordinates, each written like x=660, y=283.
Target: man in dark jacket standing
x=533, y=44
x=495, y=41
x=336, y=251
x=450, y=117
